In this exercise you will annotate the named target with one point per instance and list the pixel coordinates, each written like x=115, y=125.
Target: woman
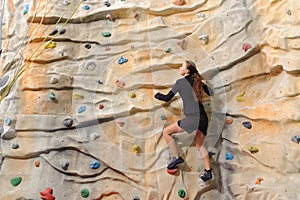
x=191, y=88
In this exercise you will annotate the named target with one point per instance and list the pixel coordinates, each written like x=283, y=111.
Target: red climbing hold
x=172, y=171
x=246, y=46
x=101, y=106
x=136, y=14
x=47, y=194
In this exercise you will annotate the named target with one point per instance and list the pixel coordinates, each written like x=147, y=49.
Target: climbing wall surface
x=78, y=116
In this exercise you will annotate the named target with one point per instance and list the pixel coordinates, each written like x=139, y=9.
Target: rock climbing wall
x=78, y=114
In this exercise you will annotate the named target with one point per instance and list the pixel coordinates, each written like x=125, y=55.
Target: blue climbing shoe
x=175, y=162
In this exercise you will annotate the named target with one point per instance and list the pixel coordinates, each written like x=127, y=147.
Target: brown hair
x=197, y=80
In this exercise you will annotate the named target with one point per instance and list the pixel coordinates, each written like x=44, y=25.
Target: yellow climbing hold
x=239, y=98
x=132, y=95
x=50, y=45
x=136, y=148
x=253, y=149
x=77, y=96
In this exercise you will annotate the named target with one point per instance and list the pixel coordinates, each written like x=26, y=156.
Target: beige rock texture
x=248, y=50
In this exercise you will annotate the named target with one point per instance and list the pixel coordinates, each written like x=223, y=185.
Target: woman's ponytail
x=197, y=80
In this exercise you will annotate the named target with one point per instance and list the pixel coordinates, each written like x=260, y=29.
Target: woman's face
x=183, y=69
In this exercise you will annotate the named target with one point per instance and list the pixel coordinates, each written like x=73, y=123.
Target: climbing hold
x=54, y=32
x=8, y=133
x=16, y=180
x=107, y=48
x=229, y=121
x=172, y=171
x=15, y=145
x=239, y=98
x=132, y=95
x=120, y=83
x=121, y=124
x=181, y=43
x=81, y=109
x=86, y=7
x=101, y=106
x=107, y=3
x=122, y=60
x=137, y=14
x=3, y=80
x=181, y=193
x=106, y=34
x=248, y=125
x=179, y=2
x=246, y=46
x=94, y=165
x=66, y=2
x=65, y=165
x=68, y=122
x=289, y=12
x=253, y=149
x=62, y=31
x=228, y=156
x=87, y=46
x=135, y=198
x=163, y=117
x=168, y=50
x=47, y=194
x=109, y=17
x=50, y=45
x=85, y=193
x=37, y=163
x=204, y=38
x=91, y=66
x=99, y=82
x=77, y=96
x=259, y=180
x=7, y=121
x=53, y=80
x=26, y=9
x=296, y=139
x=201, y=15
x=136, y=148
x=52, y=95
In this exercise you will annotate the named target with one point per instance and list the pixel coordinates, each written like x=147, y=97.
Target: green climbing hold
x=85, y=193
x=168, y=50
x=253, y=149
x=52, y=96
x=163, y=117
x=181, y=193
x=106, y=34
x=16, y=180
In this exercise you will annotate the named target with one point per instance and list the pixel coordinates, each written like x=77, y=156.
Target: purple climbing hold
x=81, y=109
x=62, y=31
x=122, y=60
x=94, y=164
x=296, y=139
x=15, y=145
x=88, y=46
x=247, y=124
x=107, y=3
x=68, y=122
x=54, y=32
x=228, y=156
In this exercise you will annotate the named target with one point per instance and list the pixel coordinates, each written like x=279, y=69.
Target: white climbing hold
x=204, y=38
x=8, y=133
x=53, y=80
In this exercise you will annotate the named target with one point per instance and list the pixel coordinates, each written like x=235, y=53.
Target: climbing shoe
x=175, y=162
x=207, y=175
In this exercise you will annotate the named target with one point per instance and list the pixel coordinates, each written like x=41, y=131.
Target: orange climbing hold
x=47, y=194
x=179, y=2
x=172, y=171
x=229, y=121
x=37, y=163
x=259, y=180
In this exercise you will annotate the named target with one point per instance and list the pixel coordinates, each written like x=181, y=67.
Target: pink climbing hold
x=246, y=46
x=109, y=17
x=47, y=194
x=120, y=83
x=181, y=43
x=137, y=15
x=107, y=48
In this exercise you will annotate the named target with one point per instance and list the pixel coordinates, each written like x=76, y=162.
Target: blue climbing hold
x=86, y=7
x=228, y=156
x=81, y=109
x=3, y=80
x=122, y=60
x=296, y=139
x=26, y=9
x=163, y=117
x=7, y=121
x=94, y=164
x=248, y=125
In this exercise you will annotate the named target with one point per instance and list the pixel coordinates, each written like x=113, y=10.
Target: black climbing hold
x=100, y=82
x=54, y=32
x=65, y=165
x=62, y=31
x=68, y=122
x=3, y=80
x=88, y=46
x=15, y=145
x=107, y=3
x=136, y=198
x=210, y=154
x=248, y=125
x=296, y=139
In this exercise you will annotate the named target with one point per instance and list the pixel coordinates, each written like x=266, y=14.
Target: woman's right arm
x=163, y=97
